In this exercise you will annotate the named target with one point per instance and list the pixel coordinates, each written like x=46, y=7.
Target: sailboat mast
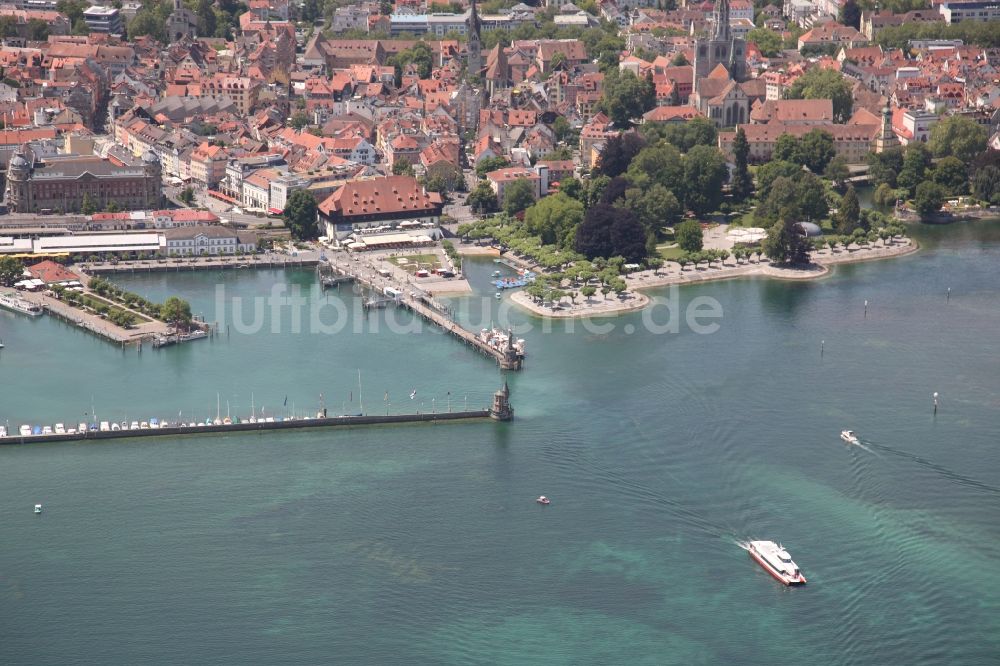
x=361, y=404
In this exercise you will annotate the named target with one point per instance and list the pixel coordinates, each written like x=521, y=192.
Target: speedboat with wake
x=849, y=436
x=776, y=561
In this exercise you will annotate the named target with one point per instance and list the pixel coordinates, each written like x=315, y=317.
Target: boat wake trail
x=861, y=445
x=940, y=469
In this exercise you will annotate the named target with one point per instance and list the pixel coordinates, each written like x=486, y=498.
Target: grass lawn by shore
x=411, y=263
x=670, y=251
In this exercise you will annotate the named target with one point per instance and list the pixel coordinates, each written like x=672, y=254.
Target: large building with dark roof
x=60, y=183
x=389, y=200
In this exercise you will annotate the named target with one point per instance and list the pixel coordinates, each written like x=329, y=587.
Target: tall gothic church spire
x=474, y=45
x=721, y=17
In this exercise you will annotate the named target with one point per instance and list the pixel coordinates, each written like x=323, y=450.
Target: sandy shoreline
x=671, y=274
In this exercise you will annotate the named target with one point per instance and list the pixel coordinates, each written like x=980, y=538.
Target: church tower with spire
x=474, y=44
x=721, y=48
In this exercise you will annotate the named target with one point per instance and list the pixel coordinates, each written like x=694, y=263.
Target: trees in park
x=794, y=198
x=821, y=83
x=176, y=312
x=741, y=185
x=11, y=270
x=885, y=167
x=608, y=231
x=618, y=153
x=849, y=212
x=518, y=195
x=689, y=236
x=951, y=174
x=705, y=173
x=958, y=136
x=929, y=198
x=554, y=218
x=837, y=172
x=986, y=184
x=786, y=244
x=916, y=161
x=654, y=207
x=483, y=199
x=299, y=215
x=88, y=206
x=626, y=96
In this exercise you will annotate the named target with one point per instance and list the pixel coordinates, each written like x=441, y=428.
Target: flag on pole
x=286, y=402
x=386, y=398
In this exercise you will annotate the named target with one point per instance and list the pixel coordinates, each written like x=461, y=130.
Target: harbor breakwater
x=261, y=426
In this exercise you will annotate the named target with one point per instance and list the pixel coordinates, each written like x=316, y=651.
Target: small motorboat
x=776, y=561
x=38, y=508
x=543, y=500
x=499, y=295
x=496, y=274
x=849, y=436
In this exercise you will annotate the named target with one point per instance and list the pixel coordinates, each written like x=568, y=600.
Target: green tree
x=176, y=312
x=741, y=184
x=884, y=196
x=8, y=26
x=112, y=207
x=767, y=41
x=705, y=172
x=816, y=149
x=148, y=22
x=518, y=195
x=885, y=167
x=654, y=207
x=768, y=173
x=786, y=149
x=299, y=120
x=950, y=173
x=299, y=215
x=958, y=136
x=850, y=14
x=916, y=161
x=187, y=195
x=88, y=207
x=786, y=244
x=402, y=167
x=488, y=164
x=608, y=231
x=483, y=199
x=986, y=184
x=689, y=236
x=658, y=163
x=38, y=30
x=618, y=152
x=818, y=83
x=849, y=212
x=626, y=96
x=207, y=21
x=837, y=172
x=698, y=131
x=562, y=129
x=929, y=198
x=554, y=219
x=11, y=270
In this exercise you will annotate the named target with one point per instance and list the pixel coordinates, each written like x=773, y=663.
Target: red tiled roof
x=50, y=272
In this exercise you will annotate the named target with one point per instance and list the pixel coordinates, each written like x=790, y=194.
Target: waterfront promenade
x=672, y=273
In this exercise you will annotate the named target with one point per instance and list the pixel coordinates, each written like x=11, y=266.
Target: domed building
x=60, y=183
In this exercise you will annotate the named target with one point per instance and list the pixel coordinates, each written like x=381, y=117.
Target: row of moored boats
x=28, y=430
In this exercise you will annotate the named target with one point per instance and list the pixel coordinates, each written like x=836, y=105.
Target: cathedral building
x=720, y=68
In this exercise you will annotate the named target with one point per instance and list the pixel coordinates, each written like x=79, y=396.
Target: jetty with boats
x=497, y=344
x=500, y=410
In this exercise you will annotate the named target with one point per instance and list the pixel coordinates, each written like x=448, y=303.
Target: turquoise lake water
x=423, y=544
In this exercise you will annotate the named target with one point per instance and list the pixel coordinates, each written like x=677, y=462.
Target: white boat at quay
x=11, y=301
